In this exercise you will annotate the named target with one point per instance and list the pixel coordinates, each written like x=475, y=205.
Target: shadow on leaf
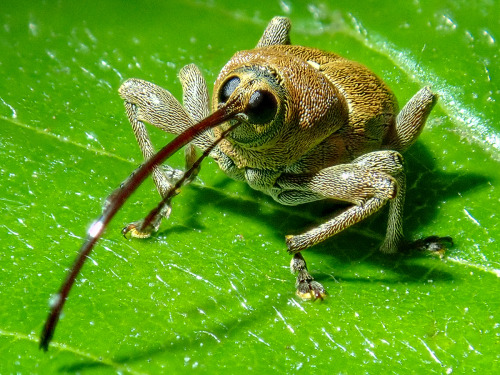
x=426, y=188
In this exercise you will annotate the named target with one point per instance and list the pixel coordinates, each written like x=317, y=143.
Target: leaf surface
x=212, y=291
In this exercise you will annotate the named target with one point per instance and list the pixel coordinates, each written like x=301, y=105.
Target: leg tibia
x=338, y=223
x=276, y=32
x=411, y=120
x=367, y=183
x=155, y=106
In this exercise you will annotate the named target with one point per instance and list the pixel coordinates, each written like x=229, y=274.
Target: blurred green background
x=212, y=293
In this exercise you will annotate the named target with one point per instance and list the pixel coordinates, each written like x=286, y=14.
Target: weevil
x=296, y=123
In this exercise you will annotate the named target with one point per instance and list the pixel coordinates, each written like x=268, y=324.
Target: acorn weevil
x=296, y=123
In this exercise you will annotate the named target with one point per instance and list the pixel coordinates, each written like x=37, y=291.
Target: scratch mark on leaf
x=258, y=338
x=332, y=340
x=474, y=220
x=197, y=277
x=210, y=334
x=284, y=321
x=431, y=352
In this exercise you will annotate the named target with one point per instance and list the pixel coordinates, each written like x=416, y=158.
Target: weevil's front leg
x=146, y=102
x=368, y=183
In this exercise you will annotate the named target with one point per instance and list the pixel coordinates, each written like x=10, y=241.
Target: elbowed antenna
x=116, y=200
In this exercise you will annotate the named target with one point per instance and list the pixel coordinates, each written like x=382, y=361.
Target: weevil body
x=296, y=123
x=316, y=126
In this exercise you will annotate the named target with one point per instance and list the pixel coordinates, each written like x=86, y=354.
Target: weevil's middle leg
x=146, y=102
x=197, y=105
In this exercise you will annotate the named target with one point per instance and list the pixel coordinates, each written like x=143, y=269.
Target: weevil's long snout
x=117, y=199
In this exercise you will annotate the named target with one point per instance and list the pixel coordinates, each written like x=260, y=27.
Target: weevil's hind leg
x=276, y=32
x=409, y=124
x=194, y=93
x=146, y=102
x=432, y=244
x=307, y=287
x=411, y=120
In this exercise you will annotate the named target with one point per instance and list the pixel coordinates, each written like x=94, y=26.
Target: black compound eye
x=228, y=88
x=262, y=107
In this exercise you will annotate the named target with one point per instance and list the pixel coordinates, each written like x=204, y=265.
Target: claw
x=311, y=290
x=135, y=232
x=434, y=244
x=137, y=229
x=307, y=288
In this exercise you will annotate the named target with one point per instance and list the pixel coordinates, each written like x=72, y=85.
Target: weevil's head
x=258, y=88
x=288, y=107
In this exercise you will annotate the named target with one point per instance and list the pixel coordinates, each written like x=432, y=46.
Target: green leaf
x=212, y=291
